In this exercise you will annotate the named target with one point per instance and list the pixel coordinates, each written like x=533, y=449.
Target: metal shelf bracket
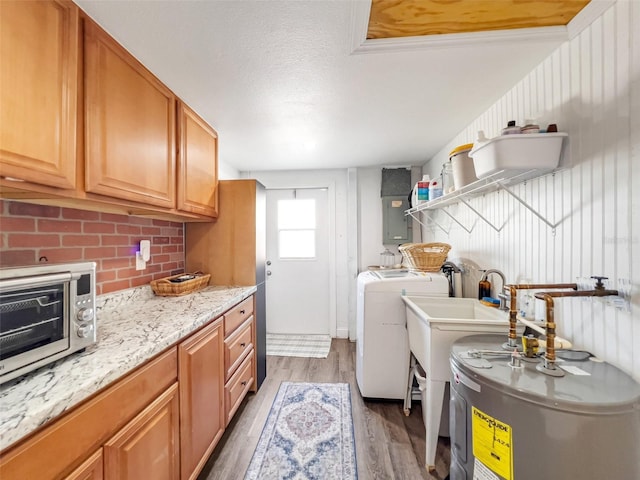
x=468, y=230
x=432, y=222
x=522, y=202
x=485, y=219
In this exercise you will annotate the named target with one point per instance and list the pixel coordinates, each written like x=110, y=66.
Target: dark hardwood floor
x=388, y=444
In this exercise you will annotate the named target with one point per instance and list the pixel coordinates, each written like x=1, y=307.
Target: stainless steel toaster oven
x=46, y=312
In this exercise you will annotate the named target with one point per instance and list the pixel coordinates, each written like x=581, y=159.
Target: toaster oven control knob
x=85, y=314
x=84, y=331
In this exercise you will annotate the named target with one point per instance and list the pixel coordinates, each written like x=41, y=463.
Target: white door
x=298, y=261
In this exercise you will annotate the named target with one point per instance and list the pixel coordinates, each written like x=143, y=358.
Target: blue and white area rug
x=310, y=346
x=308, y=435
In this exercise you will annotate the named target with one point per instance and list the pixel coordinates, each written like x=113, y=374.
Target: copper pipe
x=550, y=327
x=513, y=312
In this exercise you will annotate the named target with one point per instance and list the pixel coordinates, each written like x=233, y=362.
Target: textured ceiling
x=280, y=83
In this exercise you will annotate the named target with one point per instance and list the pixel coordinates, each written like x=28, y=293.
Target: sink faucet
x=452, y=266
x=454, y=275
x=502, y=297
x=493, y=270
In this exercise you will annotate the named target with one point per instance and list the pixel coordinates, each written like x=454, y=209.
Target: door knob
x=268, y=262
x=268, y=272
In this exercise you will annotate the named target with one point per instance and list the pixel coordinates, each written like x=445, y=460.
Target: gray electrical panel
x=395, y=189
x=396, y=227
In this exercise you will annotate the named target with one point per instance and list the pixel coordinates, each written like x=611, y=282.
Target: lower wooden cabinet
x=201, y=379
x=66, y=443
x=149, y=445
x=160, y=422
x=91, y=469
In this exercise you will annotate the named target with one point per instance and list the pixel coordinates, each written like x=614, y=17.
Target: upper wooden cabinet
x=197, y=164
x=130, y=125
x=85, y=125
x=39, y=45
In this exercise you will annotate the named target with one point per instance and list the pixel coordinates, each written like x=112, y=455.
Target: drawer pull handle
x=243, y=383
x=242, y=312
x=243, y=344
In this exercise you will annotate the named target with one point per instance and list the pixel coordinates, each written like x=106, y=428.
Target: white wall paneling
x=590, y=87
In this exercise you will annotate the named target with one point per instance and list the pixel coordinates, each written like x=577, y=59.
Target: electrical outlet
x=143, y=255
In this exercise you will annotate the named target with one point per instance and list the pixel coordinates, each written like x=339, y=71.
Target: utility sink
x=433, y=324
x=454, y=309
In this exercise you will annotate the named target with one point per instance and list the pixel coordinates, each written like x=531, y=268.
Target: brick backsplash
x=31, y=233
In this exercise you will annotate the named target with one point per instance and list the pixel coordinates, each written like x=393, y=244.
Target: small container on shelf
x=511, y=128
x=447, y=178
x=531, y=127
x=423, y=189
x=435, y=189
x=462, y=166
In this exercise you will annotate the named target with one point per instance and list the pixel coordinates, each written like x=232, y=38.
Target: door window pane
x=297, y=228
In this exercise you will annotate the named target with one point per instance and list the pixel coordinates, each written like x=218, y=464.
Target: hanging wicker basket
x=424, y=257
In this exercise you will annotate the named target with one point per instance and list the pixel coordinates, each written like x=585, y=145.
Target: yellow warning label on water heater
x=492, y=443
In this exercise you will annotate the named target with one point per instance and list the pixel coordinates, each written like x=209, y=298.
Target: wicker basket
x=164, y=287
x=425, y=257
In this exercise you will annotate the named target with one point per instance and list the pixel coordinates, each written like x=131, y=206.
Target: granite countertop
x=134, y=325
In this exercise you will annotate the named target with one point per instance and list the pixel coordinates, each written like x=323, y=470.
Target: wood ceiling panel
x=405, y=18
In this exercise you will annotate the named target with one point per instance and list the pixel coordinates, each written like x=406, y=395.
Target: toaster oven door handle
x=7, y=307
x=37, y=281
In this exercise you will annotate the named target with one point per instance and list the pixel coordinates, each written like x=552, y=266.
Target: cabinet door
x=91, y=469
x=197, y=164
x=39, y=44
x=129, y=125
x=148, y=446
x=201, y=380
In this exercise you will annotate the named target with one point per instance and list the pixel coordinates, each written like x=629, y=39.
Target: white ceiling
x=280, y=83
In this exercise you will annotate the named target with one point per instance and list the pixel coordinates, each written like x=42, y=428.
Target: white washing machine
x=382, y=346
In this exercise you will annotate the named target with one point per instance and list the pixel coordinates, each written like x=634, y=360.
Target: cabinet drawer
x=236, y=388
x=236, y=347
x=237, y=315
